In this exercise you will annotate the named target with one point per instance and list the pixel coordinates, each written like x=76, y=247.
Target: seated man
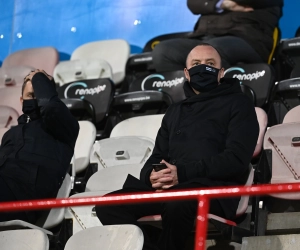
x=206, y=140
x=35, y=155
x=241, y=30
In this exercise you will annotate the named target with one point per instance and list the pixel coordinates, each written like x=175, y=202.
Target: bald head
x=204, y=54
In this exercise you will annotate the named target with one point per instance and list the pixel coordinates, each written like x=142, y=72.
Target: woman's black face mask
x=204, y=78
x=31, y=108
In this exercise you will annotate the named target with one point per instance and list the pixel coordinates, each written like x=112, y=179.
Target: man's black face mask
x=203, y=77
x=30, y=108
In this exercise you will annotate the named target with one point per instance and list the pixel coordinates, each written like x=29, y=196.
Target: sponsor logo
x=245, y=76
x=295, y=85
x=143, y=59
x=294, y=44
x=210, y=69
x=162, y=83
x=137, y=99
x=84, y=91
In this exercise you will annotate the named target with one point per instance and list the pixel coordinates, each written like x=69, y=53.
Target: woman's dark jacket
x=35, y=156
x=210, y=138
x=255, y=27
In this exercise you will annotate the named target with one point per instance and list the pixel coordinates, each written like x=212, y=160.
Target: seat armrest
x=19, y=224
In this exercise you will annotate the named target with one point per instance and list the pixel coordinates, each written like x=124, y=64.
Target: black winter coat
x=35, y=156
x=255, y=27
x=210, y=138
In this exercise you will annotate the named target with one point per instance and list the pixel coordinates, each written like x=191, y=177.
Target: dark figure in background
x=205, y=140
x=297, y=34
x=241, y=30
x=35, y=155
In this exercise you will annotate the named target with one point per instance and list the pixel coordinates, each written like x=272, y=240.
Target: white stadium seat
x=14, y=75
x=83, y=69
x=147, y=126
x=111, y=179
x=284, y=142
x=122, y=150
x=116, y=237
x=115, y=52
x=8, y=117
x=83, y=146
x=293, y=115
x=102, y=182
x=44, y=58
x=24, y=239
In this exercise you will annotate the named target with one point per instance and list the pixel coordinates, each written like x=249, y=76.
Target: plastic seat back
x=140, y=103
x=170, y=83
x=263, y=122
x=285, y=97
x=283, y=141
x=291, y=48
x=84, y=145
x=122, y=150
x=249, y=92
x=44, y=58
x=121, y=237
x=100, y=183
x=11, y=97
x=56, y=215
x=98, y=92
x=293, y=115
x=243, y=204
x=259, y=77
x=110, y=179
x=84, y=216
x=13, y=75
x=147, y=126
x=24, y=239
x=115, y=52
x=81, y=109
x=8, y=117
x=83, y=69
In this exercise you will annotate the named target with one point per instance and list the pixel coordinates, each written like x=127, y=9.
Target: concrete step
x=216, y=245
x=272, y=242
x=283, y=223
x=222, y=245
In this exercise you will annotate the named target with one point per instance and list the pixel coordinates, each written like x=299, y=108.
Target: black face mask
x=31, y=109
x=203, y=77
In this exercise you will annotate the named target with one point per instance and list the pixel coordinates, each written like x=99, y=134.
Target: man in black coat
x=206, y=140
x=35, y=155
x=241, y=30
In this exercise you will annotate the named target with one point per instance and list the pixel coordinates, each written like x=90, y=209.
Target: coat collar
x=228, y=86
x=26, y=119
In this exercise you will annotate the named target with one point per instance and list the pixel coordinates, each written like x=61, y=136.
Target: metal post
x=201, y=222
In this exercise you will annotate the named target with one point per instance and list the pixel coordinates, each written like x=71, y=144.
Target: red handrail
x=203, y=196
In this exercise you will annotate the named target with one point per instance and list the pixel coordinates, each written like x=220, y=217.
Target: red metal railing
x=203, y=196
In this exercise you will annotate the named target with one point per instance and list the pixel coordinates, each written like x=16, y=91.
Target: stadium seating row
x=102, y=84
x=114, y=170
